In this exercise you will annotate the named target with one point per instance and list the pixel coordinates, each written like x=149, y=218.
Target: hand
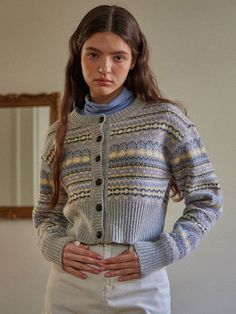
x=79, y=258
x=125, y=265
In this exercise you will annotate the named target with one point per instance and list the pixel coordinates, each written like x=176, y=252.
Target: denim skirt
x=68, y=294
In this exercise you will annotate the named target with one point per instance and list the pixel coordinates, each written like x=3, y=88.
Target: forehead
x=106, y=42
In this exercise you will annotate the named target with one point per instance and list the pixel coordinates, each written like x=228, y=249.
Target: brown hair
x=140, y=80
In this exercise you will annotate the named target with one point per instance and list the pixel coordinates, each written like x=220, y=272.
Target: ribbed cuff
x=155, y=255
x=52, y=248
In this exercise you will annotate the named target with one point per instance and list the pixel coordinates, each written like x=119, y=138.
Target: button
x=99, y=207
x=98, y=158
x=99, y=138
x=101, y=119
x=98, y=181
x=99, y=234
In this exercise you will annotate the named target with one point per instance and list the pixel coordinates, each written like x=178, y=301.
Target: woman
x=109, y=166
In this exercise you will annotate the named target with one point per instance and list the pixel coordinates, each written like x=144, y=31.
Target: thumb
x=81, y=245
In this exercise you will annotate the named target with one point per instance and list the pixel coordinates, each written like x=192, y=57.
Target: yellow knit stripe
x=44, y=181
x=76, y=160
x=137, y=152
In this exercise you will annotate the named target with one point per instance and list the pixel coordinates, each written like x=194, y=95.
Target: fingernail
x=102, y=268
x=84, y=276
x=96, y=272
x=121, y=279
x=99, y=257
x=108, y=274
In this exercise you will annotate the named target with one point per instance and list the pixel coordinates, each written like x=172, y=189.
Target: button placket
x=98, y=140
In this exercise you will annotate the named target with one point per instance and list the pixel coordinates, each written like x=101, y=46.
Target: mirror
x=24, y=121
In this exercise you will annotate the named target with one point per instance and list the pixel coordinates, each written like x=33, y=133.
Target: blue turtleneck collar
x=120, y=102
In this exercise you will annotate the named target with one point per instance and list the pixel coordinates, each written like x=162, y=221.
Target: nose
x=105, y=66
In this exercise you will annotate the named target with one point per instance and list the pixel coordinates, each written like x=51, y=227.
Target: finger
x=92, y=254
x=124, y=265
x=132, y=256
x=81, y=251
x=80, y=266
x=75, y=272
x=129, y=277
x=128, y=271
x=81, y=258
x=83, y=246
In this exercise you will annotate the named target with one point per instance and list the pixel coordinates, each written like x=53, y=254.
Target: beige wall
x=193, y=54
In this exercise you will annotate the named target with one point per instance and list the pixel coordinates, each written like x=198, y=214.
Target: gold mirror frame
x=27, y=100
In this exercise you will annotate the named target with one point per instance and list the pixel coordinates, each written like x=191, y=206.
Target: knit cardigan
x=115, y=184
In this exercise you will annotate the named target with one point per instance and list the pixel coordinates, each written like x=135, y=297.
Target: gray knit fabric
x=116, y=179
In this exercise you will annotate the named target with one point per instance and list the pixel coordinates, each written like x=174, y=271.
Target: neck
x=118, y=103
x=105, y=99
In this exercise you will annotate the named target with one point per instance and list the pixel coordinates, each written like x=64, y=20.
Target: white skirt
x=68, y=294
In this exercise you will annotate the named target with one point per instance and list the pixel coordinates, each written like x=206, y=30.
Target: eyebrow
x=113, y=53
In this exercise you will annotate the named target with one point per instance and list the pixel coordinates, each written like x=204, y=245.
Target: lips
x=103, y=82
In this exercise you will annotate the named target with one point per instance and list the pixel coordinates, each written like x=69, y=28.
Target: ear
x=133, y=63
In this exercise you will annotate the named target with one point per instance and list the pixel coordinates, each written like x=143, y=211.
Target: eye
x=92, y=55
x=119, y=58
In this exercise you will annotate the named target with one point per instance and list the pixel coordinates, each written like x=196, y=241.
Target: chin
x=103, y=91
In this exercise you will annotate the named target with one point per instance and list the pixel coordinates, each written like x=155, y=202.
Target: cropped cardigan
x=115, y=184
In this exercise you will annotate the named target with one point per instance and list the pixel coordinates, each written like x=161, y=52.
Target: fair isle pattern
x=132, y=163
x=137, y=165
x=148, y=126
x=115, y=184
x=77, y=161
x=80, y=138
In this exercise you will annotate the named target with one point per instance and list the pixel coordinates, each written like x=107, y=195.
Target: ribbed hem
x=52, y=248
x=156, y=255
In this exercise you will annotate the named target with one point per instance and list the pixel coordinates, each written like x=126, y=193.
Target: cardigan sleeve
x=51, y=223
x=203, y=200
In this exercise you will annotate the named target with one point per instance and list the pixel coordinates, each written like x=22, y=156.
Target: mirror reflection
x=24, y=121
x=22, y=131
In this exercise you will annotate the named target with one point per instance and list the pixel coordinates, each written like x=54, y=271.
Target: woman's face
x=106, y=60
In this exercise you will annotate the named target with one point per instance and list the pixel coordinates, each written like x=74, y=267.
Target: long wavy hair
x=140, y=80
